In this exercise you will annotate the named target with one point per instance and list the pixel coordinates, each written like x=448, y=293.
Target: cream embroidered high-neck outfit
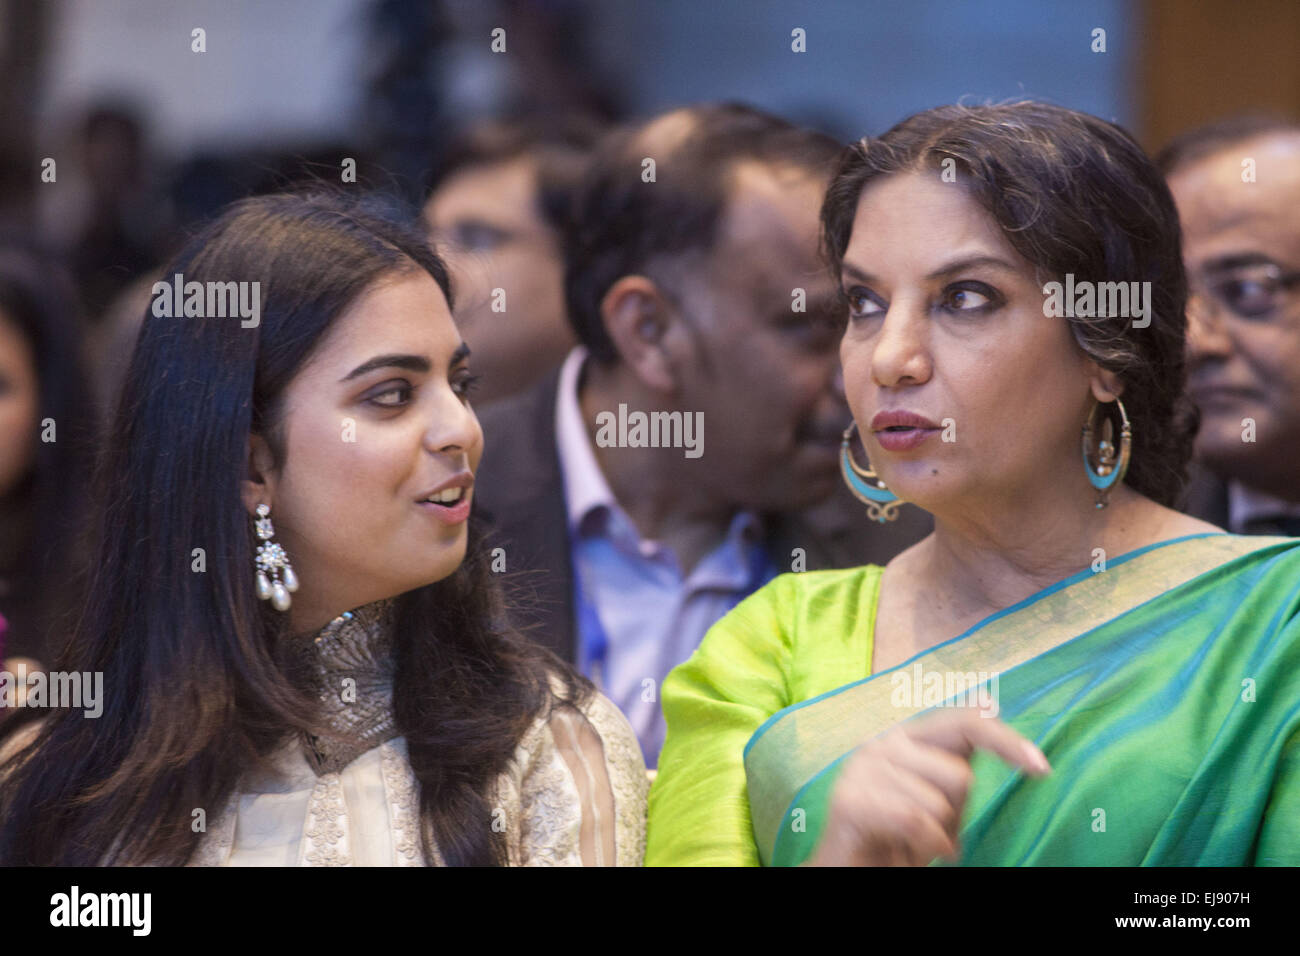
x=574, y=795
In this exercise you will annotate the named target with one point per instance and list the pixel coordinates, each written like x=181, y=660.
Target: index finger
x=961, y=730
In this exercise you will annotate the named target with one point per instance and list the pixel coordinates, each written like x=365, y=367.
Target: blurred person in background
x=1237, y=186
x=107, y=214
x=46, y=433
x=198, y=190
x=497, y=213
x=697, y=291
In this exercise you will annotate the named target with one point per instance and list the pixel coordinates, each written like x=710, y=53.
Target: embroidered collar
x=350, y=663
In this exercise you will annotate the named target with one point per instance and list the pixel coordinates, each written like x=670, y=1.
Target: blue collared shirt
x=638, y=615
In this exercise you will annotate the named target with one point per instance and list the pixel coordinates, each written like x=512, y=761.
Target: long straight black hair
x=197, y=688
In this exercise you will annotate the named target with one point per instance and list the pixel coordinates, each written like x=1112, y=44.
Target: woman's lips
x=902, y=439
x=900, y=430
x=453, y=514
x=900, y=417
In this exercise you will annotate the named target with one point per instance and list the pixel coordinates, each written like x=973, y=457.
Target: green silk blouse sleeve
x=713, y=703
x=802, y=635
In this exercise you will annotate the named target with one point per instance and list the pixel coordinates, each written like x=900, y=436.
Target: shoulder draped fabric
x=1164, y=690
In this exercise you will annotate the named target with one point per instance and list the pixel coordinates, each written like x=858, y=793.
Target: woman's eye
x=384, y=399
x=862, y=303
x=466, y=384
x=968, y=298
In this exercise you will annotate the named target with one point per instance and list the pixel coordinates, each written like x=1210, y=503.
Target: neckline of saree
x=1032, y=599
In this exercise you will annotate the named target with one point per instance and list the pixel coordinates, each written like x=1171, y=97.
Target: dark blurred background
x=150, y=137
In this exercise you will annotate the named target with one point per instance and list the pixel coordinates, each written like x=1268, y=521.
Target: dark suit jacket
x=1207, y=497
x=520, y=490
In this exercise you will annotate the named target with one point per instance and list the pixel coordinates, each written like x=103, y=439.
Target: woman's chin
x=414, y=578
x=923, y=490
x=446, y=565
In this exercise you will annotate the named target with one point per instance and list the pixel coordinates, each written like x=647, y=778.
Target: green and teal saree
x=1164, y=690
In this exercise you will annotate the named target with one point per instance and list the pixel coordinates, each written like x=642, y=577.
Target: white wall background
x=273, y=68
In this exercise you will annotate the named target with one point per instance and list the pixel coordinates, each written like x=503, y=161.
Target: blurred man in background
x=1237, y=185
x=694, y=285
x=497, y=213
x=109, y=215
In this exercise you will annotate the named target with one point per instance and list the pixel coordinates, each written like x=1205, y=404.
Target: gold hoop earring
x=882, y=504
x=1111, y=462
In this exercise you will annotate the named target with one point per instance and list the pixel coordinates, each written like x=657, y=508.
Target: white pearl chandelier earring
x=272, y=560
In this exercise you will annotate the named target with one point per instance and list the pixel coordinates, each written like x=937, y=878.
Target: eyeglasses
x=477, y=236
x=1252, y=292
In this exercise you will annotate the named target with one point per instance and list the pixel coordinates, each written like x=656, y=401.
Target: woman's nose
x=901, y=355
x=453, y=426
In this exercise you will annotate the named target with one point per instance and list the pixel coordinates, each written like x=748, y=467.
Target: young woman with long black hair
x=305, y=657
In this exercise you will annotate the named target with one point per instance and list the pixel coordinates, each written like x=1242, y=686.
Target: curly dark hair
x=1072, y=194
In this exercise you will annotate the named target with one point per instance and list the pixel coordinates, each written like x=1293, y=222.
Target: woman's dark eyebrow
x=959, y=265
x=458, y=356
x=853, y=271
x=414, y=363
x=970, y=262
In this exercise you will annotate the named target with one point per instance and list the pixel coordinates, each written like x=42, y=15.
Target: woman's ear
x=1106, y=385
x=258, y=486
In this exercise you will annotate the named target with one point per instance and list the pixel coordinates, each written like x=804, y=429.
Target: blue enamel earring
x=1111, y=464
x=882, y=504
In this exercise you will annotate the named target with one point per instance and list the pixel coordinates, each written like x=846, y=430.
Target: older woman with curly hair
x=1014, y=290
